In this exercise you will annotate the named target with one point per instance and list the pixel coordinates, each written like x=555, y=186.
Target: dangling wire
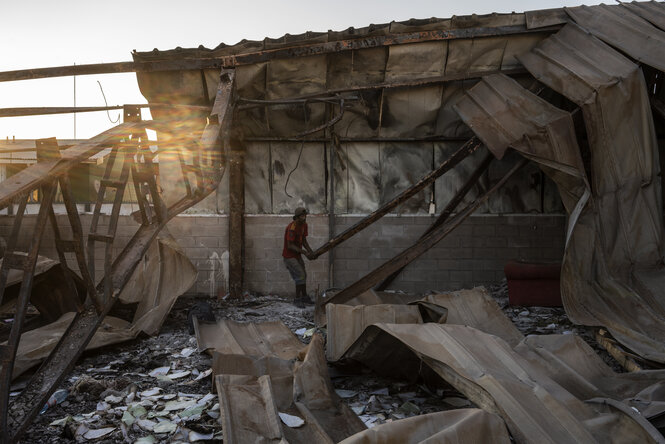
x=329, y=124
x=106, y=103
x=302, y=145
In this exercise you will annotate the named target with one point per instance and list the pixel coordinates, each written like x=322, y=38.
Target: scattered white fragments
x=151, y=392
x=178, y=405
x=98, y=433
x=159, y=371
x=345, y=394
x=187, y=352
x=178, y=375
x=111, y=399
x=165, y=427
x=205, y=374
x=195, y=436
x=291, y=420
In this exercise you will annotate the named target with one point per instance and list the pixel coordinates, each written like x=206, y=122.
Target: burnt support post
x=236, y=218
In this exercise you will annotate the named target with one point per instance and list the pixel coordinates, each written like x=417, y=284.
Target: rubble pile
x=158, y=389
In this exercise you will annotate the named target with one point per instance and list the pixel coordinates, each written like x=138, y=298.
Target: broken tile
x=345, y=394
x=291, y=420
x=165, y=427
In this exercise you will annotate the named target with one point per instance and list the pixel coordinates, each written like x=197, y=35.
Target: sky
x=45, y=33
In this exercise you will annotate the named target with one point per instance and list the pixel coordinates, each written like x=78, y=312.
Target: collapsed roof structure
x=576, y=91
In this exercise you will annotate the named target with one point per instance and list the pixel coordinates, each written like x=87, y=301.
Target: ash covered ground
x=158, y=389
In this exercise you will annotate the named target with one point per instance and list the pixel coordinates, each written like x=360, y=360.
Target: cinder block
x=484, y=276
x=461, y=276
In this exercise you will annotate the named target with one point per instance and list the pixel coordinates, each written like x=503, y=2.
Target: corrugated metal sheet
x=653, y=12
x=624, y=30
x=241, y=338
x=620, y=232
x=485, y=369
x=474, y=425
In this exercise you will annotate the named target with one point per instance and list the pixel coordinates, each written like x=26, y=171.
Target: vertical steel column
x=236, y=219
x=331, y=208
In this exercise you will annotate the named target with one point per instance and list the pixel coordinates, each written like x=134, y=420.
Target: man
x=295, y=245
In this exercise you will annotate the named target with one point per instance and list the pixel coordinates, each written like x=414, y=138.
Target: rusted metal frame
x=27, y=265
x=185, y=169
x=79, y=333
x=143, y=173
x=272, y=54
x=357, y=139
x=35, y=175
x=48, y=149
x=420, y=247
x=76, y=245
x=93, y=235
x=109, y=237
x=142, y=200
x=461, y=154
x=258, y=103
x=46, y=110
x=413, y=83
x=447, y=211
x=12, y=241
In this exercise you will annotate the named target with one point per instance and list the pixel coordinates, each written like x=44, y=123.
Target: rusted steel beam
x=40, y=111
x=447, y=211
x=420, y=247
x=25, y=263
x=468, y=148
x=26, y=405
x=418, y=140
x=231, y=61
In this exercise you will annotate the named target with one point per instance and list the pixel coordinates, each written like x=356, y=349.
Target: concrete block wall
x=475, y=253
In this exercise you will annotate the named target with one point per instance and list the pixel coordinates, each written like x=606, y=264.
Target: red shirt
x=296, y=234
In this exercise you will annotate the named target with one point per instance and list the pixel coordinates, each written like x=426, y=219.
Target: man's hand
x=310, y=255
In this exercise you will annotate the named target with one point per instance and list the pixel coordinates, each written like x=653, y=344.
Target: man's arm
x=293, y=247
x=310, y=254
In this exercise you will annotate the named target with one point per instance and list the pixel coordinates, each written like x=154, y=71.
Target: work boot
x=298, y=300
x=303, y=295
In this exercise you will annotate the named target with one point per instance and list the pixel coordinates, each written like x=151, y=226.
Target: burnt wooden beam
x=230, y=61
x=466, y=149
x=447, y=211
x=420, y=247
